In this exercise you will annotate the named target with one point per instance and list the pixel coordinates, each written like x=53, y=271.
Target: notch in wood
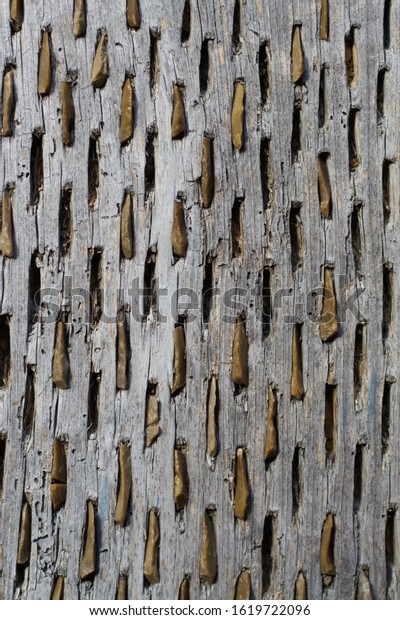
x=237, y=116
x=58, y=487
x=296, y=383
x=181, y=480
x=67, y=113
x=179, y=360
x=178, y=123
x=208, y=553
x=152, y=430
x=125, y=483
x=240, y=367
x=327, y=561
x=61, y=357
x=150, y=567
x=127, y=227
x=207, y=172
x=24, y=542
x=271, y=440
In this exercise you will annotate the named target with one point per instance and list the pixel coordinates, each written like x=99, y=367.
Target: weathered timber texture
x=307, y=201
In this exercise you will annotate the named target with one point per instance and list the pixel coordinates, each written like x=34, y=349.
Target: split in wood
x=351, y=58
x=68, y=113
x=186, y=19
x=212, y=417
x=99, y=75
x=268, y=552
x=154, y=61
x=359, y=362
x=204, y=67
x=125, y=483
x=58, y=487
x=354, y=138
x=208, y=553
x=391, y=551
x=122, y=589
x=61, y=357
x=364, y=592
x=295, y=142
x=380, y=94
x=5, y=350
x=150, y=164
x=87, y=566
x=322, y=111
x=243, y=586
x=7, y=227
x=179, y=360
x=133, y=14
x=266, y=302
x=357, y=236
x=24, y=543
x=122, y=353
x=387, y=189
x=296, y=383
x=181, y=480
x=386, y=24
x=297, y=55
x=127, y=227
x=264, y=71
x=150, y=567
x=242, y=486
x=236, y=28
x=329, y=326
x=324, y=20
x=29, y=401
x=208, y=288
x=2, y=462
x=8, y=100
x=179, y=237
x=127, y=112
x=358, y=478
x=184, y=590
x=266, y=171
x=271, y=441
x=178, y=123
x=93, y=401
x=240, y=367
x=296, y=236
x=300, y=589
x=36, y=166
x=96, y=290
x=324, y=186
x=58, y=589
x=236, y=228
x=152, y=430
x=93, y=171
x=330, y=423
x=79, y=18
x=16, y=14
x=327, y=561
x=386, y=416
x=237, y=116
x=297, y=481
x=44, y=75
x=207, y=172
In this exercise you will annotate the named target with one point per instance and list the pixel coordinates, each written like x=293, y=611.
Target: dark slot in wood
x=327, y=550
x=266, y=302
x=296, y=383
x=267, y=552
x=330, y=422
x=2, y=462
x=321, y=98
x=297, y=482
x=65, y=220
x=87, y=567
x=386, y=24
x=351, y=59
x=387, y=301
x=149, y=281
x=96, y=291
x=36, y=167
x=237, y=27
x=154, y=61
x=386, y=189
x=353, y=139
x=380, y=94
x=28, y=417
x=93, y=171
x=150, y=165
x=236, y=228
x=296, y=133
x=5, y=350
x=212, y=417
x=266, y=171
x=359, y=361
x=358, y=477
x=386, y=417
x=296, y=236
x=16, y=14
x=204, y=67
x=207, y=293
x=356, y=232
x=208, y=565
x=264, y=72
x=186, y=19
x=390, y=552
x=93, y=401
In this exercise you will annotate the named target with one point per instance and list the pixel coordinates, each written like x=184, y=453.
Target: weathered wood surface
x=304, y=484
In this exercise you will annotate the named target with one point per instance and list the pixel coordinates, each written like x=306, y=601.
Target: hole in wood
x=386, y=24
x=236, y=28
x=24, y=542
x=127, y=112
x=387, y=192
x=5, y=350
x=359, y=363
x=296, y=133
x=296, y=236
x=122, y=589
x=93, y=171
x=181, y=477
x=207, y=181
x=387, y=300
x=386, y=417
x=358, y=477
x=44, y=72
x=243, y=586
x=356, y=237
x=126, y=227
x=272, y=439
x=380, y=94
x=354, y=138
x=236, y=228
x=321, y=98
x=324, y=186
x=149, y=282
x=242, y=485
x=2, y=462
x=124, y=483
x=390, y=553
x=65, y=220
x=96, y=291
x=68, y=113
x=267, y=553
x=351, y=58
x=7, y=224
x=100, y=69
x=296, y=384
x=266, y=171
x=184, y=589
x=264, y=71
x=36, y=167
x=93, y=401
x=330, y=423
x=208, y=288
x=186, y=18
x=150, y=165
x=204, y=67
x=34, y=287
x=297, y=481
x=266, y=302
x=154, y=62
x=28, y=417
